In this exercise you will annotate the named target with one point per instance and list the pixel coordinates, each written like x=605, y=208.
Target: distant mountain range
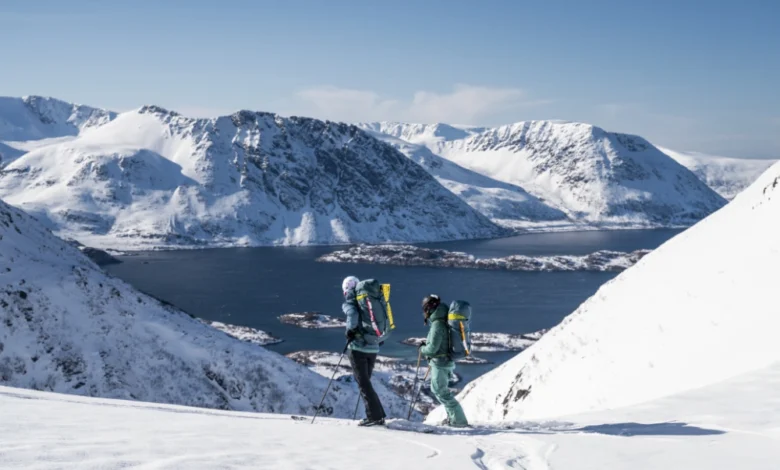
x=151, y=178
x=592, y=176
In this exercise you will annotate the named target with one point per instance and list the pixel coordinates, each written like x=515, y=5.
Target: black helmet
x=430, y=303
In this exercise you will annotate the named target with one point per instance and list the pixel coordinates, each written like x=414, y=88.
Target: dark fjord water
x=253, y=286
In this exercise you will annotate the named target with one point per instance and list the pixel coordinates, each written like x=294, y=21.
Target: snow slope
x=68, y=327
x=595, y=177
x=700, y=309
x=727, y=176
x=151, y=178
x=733, y=425
x=505, y=204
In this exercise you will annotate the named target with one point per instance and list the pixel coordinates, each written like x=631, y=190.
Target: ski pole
x=418, y=391
x=414, y=386
x=317, y=411
x=357, y=405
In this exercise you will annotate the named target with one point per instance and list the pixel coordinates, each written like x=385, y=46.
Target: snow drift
x=595, y=177
x=698, y=310
x=67, y=327
x=152, y=178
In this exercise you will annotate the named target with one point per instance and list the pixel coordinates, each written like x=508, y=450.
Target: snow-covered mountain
x=505, y=204
x=727, y=176
x=67, y=327
x=595, y=177
x=152, y=178
x=700, y=309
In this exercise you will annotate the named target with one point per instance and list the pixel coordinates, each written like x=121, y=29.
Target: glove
x=381, y=343
x=351, y=334
x=424, y=342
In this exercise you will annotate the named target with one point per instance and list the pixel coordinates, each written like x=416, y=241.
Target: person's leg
x=360, y=370
x=440, y=380
x=371, y=364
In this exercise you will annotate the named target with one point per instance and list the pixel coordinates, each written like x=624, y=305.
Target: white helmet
x=349, y=283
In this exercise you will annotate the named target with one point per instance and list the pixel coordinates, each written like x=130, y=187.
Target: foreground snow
x=733, y=425
x=409, y=255
x=700, y=309
x=727, y=176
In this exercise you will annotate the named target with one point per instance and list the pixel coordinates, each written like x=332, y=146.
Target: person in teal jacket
x=436, y=348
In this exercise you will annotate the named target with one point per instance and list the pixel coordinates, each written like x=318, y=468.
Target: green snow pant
x=440, y=380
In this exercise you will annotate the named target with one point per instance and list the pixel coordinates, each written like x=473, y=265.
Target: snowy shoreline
x=493, y=342
x=410, y=255
x=312, y=320
x=245, y=333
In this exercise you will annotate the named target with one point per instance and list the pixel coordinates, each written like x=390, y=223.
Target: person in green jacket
x=436, y=348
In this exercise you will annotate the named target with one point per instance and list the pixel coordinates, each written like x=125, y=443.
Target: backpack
x=459, y=323
x=376, y=316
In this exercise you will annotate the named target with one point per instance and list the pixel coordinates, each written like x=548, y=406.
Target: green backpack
x=459, y=323
x=376, y=316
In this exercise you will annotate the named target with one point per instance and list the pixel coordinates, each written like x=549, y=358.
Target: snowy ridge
x=152, y=178
x=727, y=176
x=39, y=118
x=700, y=309
x=595, y=177
x=68, y=327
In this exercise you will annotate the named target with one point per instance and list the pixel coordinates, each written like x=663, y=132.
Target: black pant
x=362, y=367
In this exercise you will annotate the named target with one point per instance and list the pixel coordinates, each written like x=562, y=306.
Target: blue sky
x=690, y=75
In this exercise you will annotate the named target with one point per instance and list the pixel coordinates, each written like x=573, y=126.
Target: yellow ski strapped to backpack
x=386, y=294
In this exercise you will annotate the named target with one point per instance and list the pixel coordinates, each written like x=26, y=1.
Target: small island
x=312, y=320
x=245, y=333
x=409, y=255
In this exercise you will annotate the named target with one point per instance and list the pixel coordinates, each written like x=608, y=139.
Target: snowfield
x=731, y=425
x=67, y=327
x=151, y=178
x=700, y=309
x=596, y=178
x=727, y=176
x=410, y=255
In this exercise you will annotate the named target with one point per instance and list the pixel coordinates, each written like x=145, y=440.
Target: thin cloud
x=464, y=104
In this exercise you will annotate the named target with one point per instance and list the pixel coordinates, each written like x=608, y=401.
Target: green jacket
x=437, y=344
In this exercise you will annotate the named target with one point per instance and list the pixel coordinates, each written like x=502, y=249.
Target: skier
x=362, y=355
x=436, y=349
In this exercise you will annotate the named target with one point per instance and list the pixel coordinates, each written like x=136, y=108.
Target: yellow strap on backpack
x=386, y=293
x=456, y=316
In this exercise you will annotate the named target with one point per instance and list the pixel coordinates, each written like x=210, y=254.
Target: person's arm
x=349, y=307
x=433, y=342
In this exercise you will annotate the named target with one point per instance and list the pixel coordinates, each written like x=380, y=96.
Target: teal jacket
x=437, y=344
x=352, y=311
